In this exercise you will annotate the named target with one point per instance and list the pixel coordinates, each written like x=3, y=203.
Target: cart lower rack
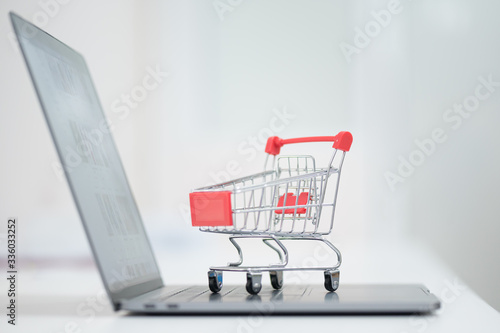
x=288, y=202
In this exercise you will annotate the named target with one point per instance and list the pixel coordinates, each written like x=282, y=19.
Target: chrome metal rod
x=266, y=241
x=240, y=253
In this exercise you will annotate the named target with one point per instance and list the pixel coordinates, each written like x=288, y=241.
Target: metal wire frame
x=255, y=196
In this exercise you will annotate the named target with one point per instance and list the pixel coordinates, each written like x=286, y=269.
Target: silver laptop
x=114, y=227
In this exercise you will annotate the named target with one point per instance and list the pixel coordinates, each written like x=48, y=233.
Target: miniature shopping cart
x=288, y=202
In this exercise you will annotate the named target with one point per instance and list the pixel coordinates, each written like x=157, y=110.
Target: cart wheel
x=215, y=281
x=332, y=280
x=254, y=284
x=276, y=279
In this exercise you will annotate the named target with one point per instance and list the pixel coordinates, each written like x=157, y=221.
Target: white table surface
x=50, y=298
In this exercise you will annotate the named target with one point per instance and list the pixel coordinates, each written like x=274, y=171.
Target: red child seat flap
x=291, y=201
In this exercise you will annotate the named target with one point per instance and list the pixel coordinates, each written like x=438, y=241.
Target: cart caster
x=332, y=280
x=215, y=281
x=276, y=279
x=254, y=284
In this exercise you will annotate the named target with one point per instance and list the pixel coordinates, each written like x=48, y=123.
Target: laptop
x=113, y=225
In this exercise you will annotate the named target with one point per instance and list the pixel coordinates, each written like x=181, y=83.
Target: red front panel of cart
x=211, y=209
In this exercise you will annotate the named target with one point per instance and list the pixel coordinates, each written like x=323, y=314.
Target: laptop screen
x=90, y=161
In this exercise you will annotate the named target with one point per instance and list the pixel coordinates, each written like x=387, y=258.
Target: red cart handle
x=341, y=141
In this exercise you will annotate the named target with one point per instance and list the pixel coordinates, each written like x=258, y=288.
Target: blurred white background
x=236, y=69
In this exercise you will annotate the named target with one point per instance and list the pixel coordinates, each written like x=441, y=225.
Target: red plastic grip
x=342, y=141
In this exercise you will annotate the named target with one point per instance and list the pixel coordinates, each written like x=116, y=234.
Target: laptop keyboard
x=189, y=294
x=186, y=293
